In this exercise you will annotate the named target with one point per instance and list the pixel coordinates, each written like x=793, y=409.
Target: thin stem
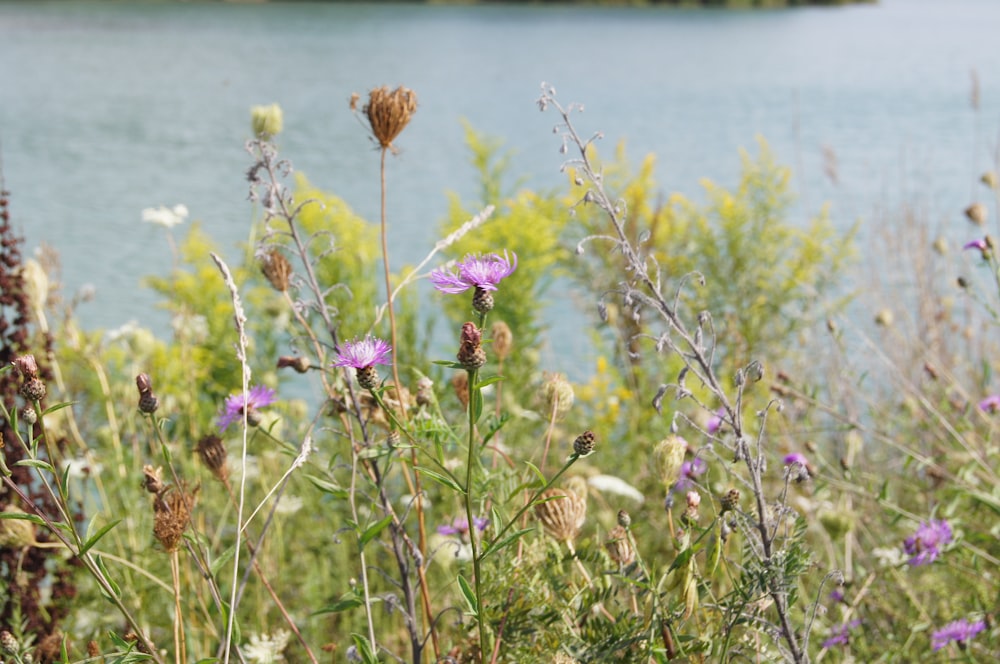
x=476, y=562
x=180, y=651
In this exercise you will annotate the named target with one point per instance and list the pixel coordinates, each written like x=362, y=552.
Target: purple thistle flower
x=460, y=526
x=924, y=546
x=990, y=404
x=841, y=636
x=690, y=470
x=482, y=272
x=794, y=458
x=715, y=422
x=979, y=244
x=362, y=354
x=258, y=397
x=959, y=631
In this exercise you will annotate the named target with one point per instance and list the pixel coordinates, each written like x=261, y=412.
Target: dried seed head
x=977, y=213
x=300, y=363
x=171, y=516
x=277, y=269
x=562, y=513
x=388, y=112
x=425, y=391
x=152, y=480
x=624, y=519
x=460, y=383
x=503, y=339
x=16, y=533
x=556, y=395
x=212, y=453
x=584, y=443
x=669, y=457
x=619, y=547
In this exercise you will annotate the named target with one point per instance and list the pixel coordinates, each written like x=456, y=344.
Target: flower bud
x=212, y=453
x=730, y=501
x=669, y=457
x=266, y=121
x=148, y=403
x=29, y=416
x=624, y=520
x=470, y=351
x=584, y=443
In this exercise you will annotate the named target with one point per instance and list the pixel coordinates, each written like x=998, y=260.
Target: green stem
x=476, y=563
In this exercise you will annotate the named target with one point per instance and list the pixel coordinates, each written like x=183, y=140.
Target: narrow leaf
x=375, y=529
x=443, y=479
x=469, y=594
x=89, y=544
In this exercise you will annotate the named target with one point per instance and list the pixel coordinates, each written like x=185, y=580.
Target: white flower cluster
x=164, y=216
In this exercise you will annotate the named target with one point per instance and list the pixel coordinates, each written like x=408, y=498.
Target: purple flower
x=715, y=422
x=959, y=631
x=460, y=526
x=362, y=354
x=794, y=458
x=990, y=404
x=257, y=398
x=690, y=470
x=924, y=546
x=482, y=272
x=838, y=597
x=841, y=636
x=979, y=244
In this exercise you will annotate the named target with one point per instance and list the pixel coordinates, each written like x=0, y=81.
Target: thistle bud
x=33, y=389
x=8, y=643
x=619, y=547
x=976, y=213
x=29, y=415
x=300, y=363
x=212, y=453
x=503, y=339
x=730, y=501
x=148, y=403
x=26, y=366
x=266, y=121
x=669, y=457
x=470, y=351
x=624, y=519
x=584, y=443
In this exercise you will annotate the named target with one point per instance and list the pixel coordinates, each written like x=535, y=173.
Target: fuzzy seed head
x=669, y=457
x=171, y=516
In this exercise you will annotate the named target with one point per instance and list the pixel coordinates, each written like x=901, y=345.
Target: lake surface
x=109, y=108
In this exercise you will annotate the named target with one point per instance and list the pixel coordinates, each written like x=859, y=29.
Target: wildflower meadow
x=776, y=455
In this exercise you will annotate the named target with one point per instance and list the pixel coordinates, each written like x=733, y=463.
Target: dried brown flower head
x=171, y=516
x=619, y=547
x=212, y=453
x=562, y=513
x=503, y=339
x=470, y=351
x=460, y=383
x=277, y=269
x=152, y=480
x=388, y=112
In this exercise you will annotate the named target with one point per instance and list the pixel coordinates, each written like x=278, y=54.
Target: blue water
x=107, y=108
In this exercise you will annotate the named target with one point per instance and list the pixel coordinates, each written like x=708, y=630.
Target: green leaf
x=450, y=364
x=507, y=540
x=328, y=487
x=57, y=407
x=487, y=381
x=223, y=558
x=364, y=649
x=538, y=473
x=443, y=479
x=470, y=596
x=99, y=561
x=36, y=463
x=21, y=516
x=373, y=530
x=89, y=544
x=347, y=602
